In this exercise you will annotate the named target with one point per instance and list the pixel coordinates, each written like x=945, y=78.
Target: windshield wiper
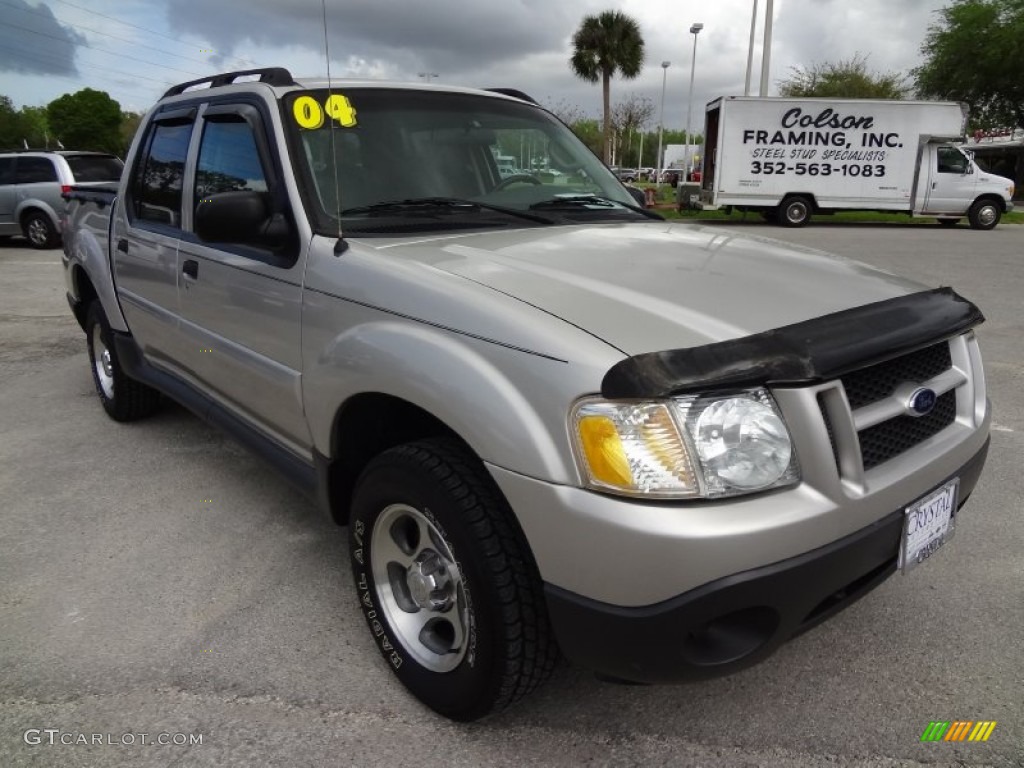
x=591, y=202
x=435, y=205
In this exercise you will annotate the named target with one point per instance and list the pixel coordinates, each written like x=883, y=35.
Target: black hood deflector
x=805, y=352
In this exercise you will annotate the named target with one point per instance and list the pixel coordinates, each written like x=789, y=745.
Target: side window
x=228, y=160
x=951, y=161
x=156, y=188
x=6, y=171
x=35, y=169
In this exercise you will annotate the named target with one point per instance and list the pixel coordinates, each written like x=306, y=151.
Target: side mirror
x=240, y=217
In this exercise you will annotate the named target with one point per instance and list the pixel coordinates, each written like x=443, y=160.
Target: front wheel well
x=365, y=426
x=991, y=198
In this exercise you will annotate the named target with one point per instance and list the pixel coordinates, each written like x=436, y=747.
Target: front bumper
x=735, y=621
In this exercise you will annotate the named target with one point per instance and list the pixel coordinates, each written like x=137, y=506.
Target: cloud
x=526, y=44
x=33, y=41
x=449, y=36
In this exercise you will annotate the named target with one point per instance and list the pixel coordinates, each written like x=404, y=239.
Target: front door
x=241, y=304
x=951, y=181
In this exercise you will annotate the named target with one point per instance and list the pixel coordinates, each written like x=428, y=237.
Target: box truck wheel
x=984, y=214
x=794, y=211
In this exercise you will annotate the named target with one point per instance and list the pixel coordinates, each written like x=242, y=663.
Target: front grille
x=876, y=386
x=889, y=439
x=879, y=381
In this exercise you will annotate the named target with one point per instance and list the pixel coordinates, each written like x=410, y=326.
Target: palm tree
x=604, y=44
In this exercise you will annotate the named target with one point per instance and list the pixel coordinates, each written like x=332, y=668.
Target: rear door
x=8, y=225
x=951, y=181
x=145, y=236
x=241, y=304
x=39, y=185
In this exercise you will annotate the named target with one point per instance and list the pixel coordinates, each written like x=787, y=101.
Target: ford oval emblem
x=921, y=402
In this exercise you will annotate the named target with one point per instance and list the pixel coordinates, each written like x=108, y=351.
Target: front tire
x=794, y=211
x=123, y=398
x=446, y=582
x=984, y=214
x=39, y=230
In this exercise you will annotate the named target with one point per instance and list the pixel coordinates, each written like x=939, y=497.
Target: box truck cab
x=791, y=158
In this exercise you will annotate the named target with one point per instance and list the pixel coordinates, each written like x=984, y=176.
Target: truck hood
x=647, y=287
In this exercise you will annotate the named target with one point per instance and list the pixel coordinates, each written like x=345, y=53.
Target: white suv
x=31, y=185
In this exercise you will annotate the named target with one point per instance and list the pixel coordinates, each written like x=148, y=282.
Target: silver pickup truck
x=554, y=423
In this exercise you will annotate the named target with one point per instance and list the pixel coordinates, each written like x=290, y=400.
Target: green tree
x=129, y=125
x=974, y=54
x=11, y=125
x=629, y=117
x=604, y=45
x=87, y=119
x=588, y=131
x=849, y=79
x=36, y=127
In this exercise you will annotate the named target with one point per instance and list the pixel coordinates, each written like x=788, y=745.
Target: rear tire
x=39, y=230
x=948, y=223
x=794, y=211
x=123, y=398
x=984, y=214
x=446, y=581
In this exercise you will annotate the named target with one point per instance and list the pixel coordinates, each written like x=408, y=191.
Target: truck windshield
x=381, y=158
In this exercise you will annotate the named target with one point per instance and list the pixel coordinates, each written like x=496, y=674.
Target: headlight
x=687, y=447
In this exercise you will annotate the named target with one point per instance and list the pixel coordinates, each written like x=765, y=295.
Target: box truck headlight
x=697, y=446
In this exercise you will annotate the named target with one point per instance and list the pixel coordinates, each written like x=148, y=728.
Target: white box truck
x=790, y=158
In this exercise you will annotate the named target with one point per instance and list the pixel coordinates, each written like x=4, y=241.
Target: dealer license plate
x=928, y=524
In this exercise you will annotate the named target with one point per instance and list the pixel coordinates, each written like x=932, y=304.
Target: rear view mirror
x=240, y=217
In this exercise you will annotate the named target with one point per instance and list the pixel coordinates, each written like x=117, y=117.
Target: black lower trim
x=301, y=473
x=731, y=623
x=813, y=350
x=77, y=309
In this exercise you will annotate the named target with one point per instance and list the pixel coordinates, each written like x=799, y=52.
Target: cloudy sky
x=135, y=49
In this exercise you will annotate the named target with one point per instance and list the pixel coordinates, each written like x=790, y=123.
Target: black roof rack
x=269, y=75
x=515, y=94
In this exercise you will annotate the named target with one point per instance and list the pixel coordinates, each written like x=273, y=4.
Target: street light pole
x=661, y=123
x=766, y=54
x=750, y=51
x=694, y=30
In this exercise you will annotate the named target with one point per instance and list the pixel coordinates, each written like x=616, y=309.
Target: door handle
x=191, y=269
x=935, y=184
x=122, y=245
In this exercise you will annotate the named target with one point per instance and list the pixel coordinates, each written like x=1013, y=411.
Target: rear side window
x=156, y=188
x=35, y=169
x=6, y=170
x=95, y=167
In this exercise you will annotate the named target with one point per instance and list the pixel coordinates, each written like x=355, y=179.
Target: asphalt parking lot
x=155, y=578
